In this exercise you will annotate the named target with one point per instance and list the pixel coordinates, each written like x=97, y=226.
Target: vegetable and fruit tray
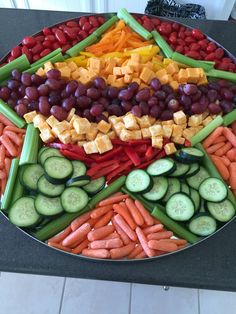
x=118, y=136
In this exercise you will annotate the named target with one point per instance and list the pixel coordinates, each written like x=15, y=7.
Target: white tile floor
x=28, y=294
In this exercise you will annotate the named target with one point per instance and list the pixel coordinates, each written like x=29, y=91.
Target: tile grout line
x=130, y=298
x=198, y=298
x=62, y=295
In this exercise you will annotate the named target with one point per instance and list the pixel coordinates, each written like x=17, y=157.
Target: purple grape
x=190, y=89
x=226, y=94
x=33, y=105
x=87, y=115
x=59, y=113
x=14, y=95
x=203, y=89
x=213, y=85
x=125, y=94
x=133, y=87
x=54, y=98
x=173, y=105
x=104, y=92
x=44, y=106
x=152, y=101
x=196, y=108
x=21, y=110
x=143, y=95
x=212, y=95
x=126, y=105
x=53, y=83
x=79, y=112
x=62, y=83
x=64, y=94
x=13, y=84
x=71, y=87
x=115, y=101
x=155, y=111
x=112, y=92
x=143, y=105
x=5, y=93
x=233, y=89
x=16, y=75
x=196, y=96
x=37, y=79
x=166, y=115
x=136, y=111
x=43, y=90
x=53, y=74
x=83, y=102
x=24, y=101
x=214, y=108
x=226, y=106
x=185, y=101
x=103, y=101
x=68, y=103
x=170, y=97
x=101, y=117
x=162, y=105
x=204, y=102
x=234, y=99
x=32, y=93
x=26, y=79
x=115, y=110
x=167, y=89
x=155, y=84
x=93, y=93
x=99, y=83
x=12, y=103
x=223, y=83
x=21, y=90
x=160, y=94
x=96, y=109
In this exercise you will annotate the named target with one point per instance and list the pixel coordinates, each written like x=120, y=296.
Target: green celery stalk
x=47, y=57
x=21, y=64
x=229, y=118
x=88, y=41
x=168, y=52
x=58, y=58
x=178, y=57
x=30, y=146
x=222, y=74
x=18, y=188
x=11, y=115
x=105, y=26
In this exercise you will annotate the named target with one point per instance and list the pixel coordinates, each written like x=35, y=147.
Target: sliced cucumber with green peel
x=193, y=169
x=42, y=149
x=78, y=181
x=222, y=211
x=23, y=213
x=159, y=189
x=48, y=189
x=195, y=180
x=185, y=188
x=173, y=187
x=49, y=152
x=180, y=207
x=189, y=155
x=58, y=169
x=213, y=190
x=138, y=181
x=202, y=225
x=48, y=206
x=195, y=198
x=181, y=170
x=79, y=169
x=74, y=199
x=164, y=166
x=95, y=186
x=30, y=176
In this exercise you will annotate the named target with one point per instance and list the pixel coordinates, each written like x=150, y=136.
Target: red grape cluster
x=52, y=95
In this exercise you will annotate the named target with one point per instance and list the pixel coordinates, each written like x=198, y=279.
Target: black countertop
x=210, y=264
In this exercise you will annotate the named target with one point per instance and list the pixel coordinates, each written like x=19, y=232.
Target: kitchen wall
x=217, y=9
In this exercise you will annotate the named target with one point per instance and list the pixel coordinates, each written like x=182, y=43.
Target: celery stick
x=30, y=146
x=229, y=118
x=11, y=114
x=123, y=14
x=105, y=26
x=178, y=57
x=222, y=74
x=174, y=226
x=75, y=50
x=209, y=165
x=203, y=133
x=168, y=52
x=47, y=57
x=7, y=195
x=59, y=224
x=18, y=188
x=21, y=64
x=58, y=58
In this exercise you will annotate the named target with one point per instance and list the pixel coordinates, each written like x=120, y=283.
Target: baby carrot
x=2, y=174
x=223, y=150
x=152, y=229
x=2, y=155
x=1, y=128
x=5, y=121
x=212, y=137
x=3, y=185
x=100, y=211
x=122, y=251
x=226, y=160
x=231, y=137
x=7, y=164
x=92, y=222
x=122, y=234
x=14, y=129
x=215, y=147
x=231, y=154
x=59, y=246
x=162, y=246
x=220, y=139
x=104, y=220
x=77, y=235
x=220, y=167
x=99, y=253
x=176, y=241
x=8, y=145
x=125, y=227
x=135, y=213
x=113, y=235
x=232, y=177
x=79, y=221
x=14, y=137
x=160, y=235
x=83, y=245
x=143, y=241
x=141, y=255
x=233, y=126
x=149, y=221
x=124, y=212
x=106, y=244
x=138, y=249
x=113, y=200
x=100, y=233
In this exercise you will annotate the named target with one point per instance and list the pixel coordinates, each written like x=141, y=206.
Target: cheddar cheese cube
x=60, y=127
x=174, y=85
x=115, y=119
x=30, y=116
x=207, y=120
x=167, y=122
x=112, y=135
x=156, y=130
x=103, y=144
x=65, y=72
x=81, y=125
x=172, y=68
x=38, y=120
x=130, y=122
x=195, y=120
x=48, y=66
x=95, y=64
x=81, y=143
x=118, y=127
x=144, y=121
x=75, y=74
x=117, y=71
x=188, y=134
x=178, y=140
x=46, y=136
x=180, y=117
x=92, y=133
x=44, y=126
x=167, y=130
x=127, y=69
x=41, y=72
x=65, y=137
x=59, y=65
x=177, y=130
x=182, y=76
x=103, y=126
x=135, y=58
x=126, y=135
x=70, y=114
x=52, y=121
x=157, y=142
x=90, y=147
x=170, y=148
x=127, y=78
x=72, y=65
x=146, y=133
x=147, y=75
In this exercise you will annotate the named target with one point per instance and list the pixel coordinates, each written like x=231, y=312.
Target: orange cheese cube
x=193, y=75
x=174, y=85
x=127, y=69
x=117, y=71
x=127, y=78
x=182, y=76
x=172, y=68
x=147, y=75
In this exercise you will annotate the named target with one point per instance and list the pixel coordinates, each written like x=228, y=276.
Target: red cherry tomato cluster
x=63, y=36
x=192, y=43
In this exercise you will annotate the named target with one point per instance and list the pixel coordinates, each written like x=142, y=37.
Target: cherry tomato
x=197, y=34
x=211, y=47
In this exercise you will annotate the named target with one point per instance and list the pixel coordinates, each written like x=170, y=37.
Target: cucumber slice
x=185, y=188
x=159, y=189
x=79, y=169
x=74, y=199
x=49, y=152
x=48, y=189
x=42, y=149
x=195, y=180
x=164, y=166
x=58, y=169
x=195, y=198
x=48, y=206
x=173, y=187
x=202, y=208
x=213, y=190
x=23, y=214
x=189, y=155
x=202, y=225
x=94, y=186
x=138, y=181
x=222, y=211
x=78, y=181
x=193, y=169
x=31, y=175
x=181, y=170
x=180, y=207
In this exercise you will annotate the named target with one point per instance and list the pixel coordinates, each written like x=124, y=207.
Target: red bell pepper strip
x=187, y=143
x=133, y=156
x=105, y=171
x=109, y=155
x=119, y=170
x=92, y=171
x=130, y=143
x=141, y=149
x=159, y=154
x=72, y=148
x=149, y=152
x=74, y=156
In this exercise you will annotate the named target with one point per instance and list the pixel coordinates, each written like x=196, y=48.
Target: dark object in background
x=170, y=8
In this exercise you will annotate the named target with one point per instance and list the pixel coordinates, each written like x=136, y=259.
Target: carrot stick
x=153, y=229
x=75, y=244
x=231, y=137
x=14, y=137
x=212, y=137
x=122, y=251
x=79, y=221
x=104, y=220
x=14, y=129
x=220, y=167
x=138, y=249
x=59, y=246
x=233, y=126
x=226, y=161
x=160, y=235
x=162, y=246
x=113, y=200
x=1, y=128
x=125, y=227
x=92, y=222
x=141, y=255
x=113, y=235
x=99, y=253
x=8, y=145
x=77, y=235
x=5, y=121
x=223, y=150
x=143, y=241
x=220, y=139
x=100, y=233
x=83, y=245
x=60, y=236
x=3, y=174
x=149, y=221
x=124, y=212
x=135, y=213
x=176, y=241
x=7, y=164
x=3, y=185
x=215, y=147
x=2, y=155
x=106, y=244
x=100, y=211
x=231, y=154
x=122, y=234
x=232, y=177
